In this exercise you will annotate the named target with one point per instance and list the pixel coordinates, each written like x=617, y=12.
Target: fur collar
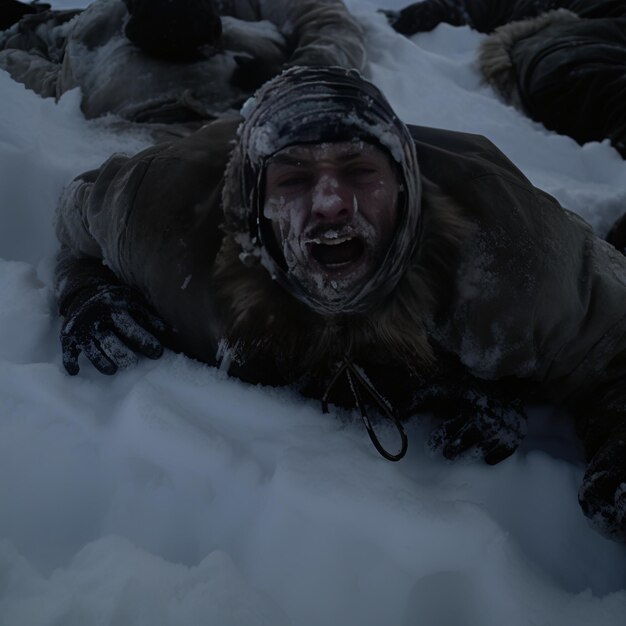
x=494, y=54
x=263, y=321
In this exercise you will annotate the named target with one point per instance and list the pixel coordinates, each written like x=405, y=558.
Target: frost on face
x=325, y=192
x=297, y=237
x=332, y=207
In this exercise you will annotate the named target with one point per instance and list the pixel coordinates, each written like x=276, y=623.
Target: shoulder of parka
x=451, y=158
x=165, y=189
x=155, y=220
x=537, y=295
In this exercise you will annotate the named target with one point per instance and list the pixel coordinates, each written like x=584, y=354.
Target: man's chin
x=335, y=282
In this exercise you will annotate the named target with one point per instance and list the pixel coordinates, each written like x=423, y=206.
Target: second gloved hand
x=486, y=426
x=417, y=17
x=110, y=324
x=602, y=494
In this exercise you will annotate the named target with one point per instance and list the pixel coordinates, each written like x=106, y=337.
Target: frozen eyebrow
x=285, y=159
x=351, y=156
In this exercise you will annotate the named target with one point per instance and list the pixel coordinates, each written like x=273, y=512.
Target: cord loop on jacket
x=356, y=381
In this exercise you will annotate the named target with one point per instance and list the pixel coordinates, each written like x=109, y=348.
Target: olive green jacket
x=505, y=282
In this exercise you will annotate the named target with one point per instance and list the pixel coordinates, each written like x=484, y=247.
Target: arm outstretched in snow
x=486, y=15
x=31, y=51
x=107, y=321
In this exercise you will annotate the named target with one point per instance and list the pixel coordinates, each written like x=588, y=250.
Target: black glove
x=419, y=17
x=109, y=323
x=486, y=425
x=602, y=495
x=252, y=72
x=12, y=11
x=173, y=31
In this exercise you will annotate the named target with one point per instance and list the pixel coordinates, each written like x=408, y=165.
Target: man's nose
x=332, y=201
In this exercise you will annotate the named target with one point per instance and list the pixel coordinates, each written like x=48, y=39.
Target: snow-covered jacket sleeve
x=486, y=15
x=318, y=32
x=32, y=50
x=537, y=296
x=154, y=220
x=81, y=259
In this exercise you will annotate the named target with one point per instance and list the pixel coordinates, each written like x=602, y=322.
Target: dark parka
x=504, y=285
x=566, y=72
x=56, y=51
x=561, y=62
x=486, y=15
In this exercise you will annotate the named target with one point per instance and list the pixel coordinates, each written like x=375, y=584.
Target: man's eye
x=292, y=181
x=363, y=172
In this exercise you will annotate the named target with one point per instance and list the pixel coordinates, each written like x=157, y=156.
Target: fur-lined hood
x=317, y=105
x=265, y=323
x=267, y=311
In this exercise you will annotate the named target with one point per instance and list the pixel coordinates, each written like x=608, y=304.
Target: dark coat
x=486, y=15
x=565, y=72
x=505, y=284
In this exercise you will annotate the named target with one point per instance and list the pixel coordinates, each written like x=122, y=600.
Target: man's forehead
x=328, y=150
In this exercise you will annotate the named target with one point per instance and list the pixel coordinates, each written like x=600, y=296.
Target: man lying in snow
x=174, y=60
x=486, y=15
x=565, y=71
x=323, y=244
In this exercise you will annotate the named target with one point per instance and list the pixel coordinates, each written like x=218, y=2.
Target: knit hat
x=316, y=105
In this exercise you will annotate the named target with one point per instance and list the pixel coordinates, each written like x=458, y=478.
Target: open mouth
x=338, y=251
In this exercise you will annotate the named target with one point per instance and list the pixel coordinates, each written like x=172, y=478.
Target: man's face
x=333, y=209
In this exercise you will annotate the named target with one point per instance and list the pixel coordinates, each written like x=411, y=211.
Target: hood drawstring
x=357, y=380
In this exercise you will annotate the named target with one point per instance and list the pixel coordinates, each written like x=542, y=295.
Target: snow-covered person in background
x=164, y=61
x=563, y=68
x=486, y=15
x=320, y=242
x=563, y=71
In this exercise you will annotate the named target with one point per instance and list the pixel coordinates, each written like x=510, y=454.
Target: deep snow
x=170, y=494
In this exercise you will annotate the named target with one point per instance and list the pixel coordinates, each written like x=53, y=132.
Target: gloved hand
x=173, y=31
x=602, y=494
x=109, y=323
x=486, y=426
x=416, y=18
x=252, y=72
